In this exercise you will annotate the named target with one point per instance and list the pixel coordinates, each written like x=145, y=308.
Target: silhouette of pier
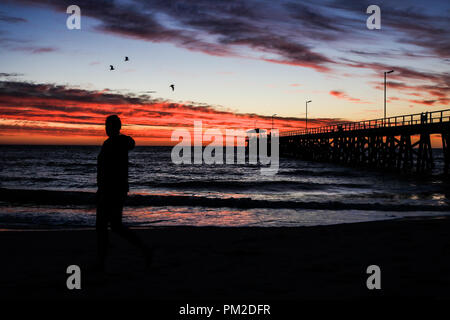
x=385, y=144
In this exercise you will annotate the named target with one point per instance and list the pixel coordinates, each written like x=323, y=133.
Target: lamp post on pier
x=307, y=113
x=385, y=73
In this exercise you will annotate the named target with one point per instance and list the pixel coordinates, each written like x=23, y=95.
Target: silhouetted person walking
x=112, y=182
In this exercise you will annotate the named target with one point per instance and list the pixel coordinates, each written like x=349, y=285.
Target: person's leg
x=101, y=225
x=117, y=225
x=128, y=234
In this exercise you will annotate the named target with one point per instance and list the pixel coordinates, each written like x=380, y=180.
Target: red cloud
x=437, y=94
x=28, y=109
x=343, y=95
x=425, y=102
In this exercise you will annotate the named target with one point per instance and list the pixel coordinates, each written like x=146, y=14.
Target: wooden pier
x=388, y=144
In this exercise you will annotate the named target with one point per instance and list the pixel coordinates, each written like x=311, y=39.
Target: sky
x=234, y=65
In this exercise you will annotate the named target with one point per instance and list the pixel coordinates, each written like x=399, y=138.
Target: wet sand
x=323, y=262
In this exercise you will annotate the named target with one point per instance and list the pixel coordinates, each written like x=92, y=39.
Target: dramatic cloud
x=401, y=73
x=438, y=94
x=410, y=24
x=221, y=28
x=343, y=95
x=420, y=82
x=425, y=102
x=10, y=19
x=46, y=108
x=328, y=36
x=289, y=31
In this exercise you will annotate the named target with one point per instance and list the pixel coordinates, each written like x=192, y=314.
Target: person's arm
x=131, y=143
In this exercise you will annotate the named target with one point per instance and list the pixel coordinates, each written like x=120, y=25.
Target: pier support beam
x=446, y=152
x=424, y=154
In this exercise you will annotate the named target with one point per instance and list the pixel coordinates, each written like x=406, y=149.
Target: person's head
x=113, y=125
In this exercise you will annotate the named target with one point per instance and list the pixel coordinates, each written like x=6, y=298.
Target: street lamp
x=385, y=73
x=307, y=113
x=272, y=121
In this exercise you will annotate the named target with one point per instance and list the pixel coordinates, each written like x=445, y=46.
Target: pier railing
x=397, y=121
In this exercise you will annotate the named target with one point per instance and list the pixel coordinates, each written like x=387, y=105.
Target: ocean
x=52, y=187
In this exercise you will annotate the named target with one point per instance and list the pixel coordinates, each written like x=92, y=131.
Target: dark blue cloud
x=290, y=32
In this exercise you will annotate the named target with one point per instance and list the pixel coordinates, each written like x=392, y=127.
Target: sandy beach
x=323, y=262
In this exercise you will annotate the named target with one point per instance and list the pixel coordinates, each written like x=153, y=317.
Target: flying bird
x=173, y=87
x=126, y=59
x=111, y=67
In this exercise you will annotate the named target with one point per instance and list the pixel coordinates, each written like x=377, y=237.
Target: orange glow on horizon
x=59, y=115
